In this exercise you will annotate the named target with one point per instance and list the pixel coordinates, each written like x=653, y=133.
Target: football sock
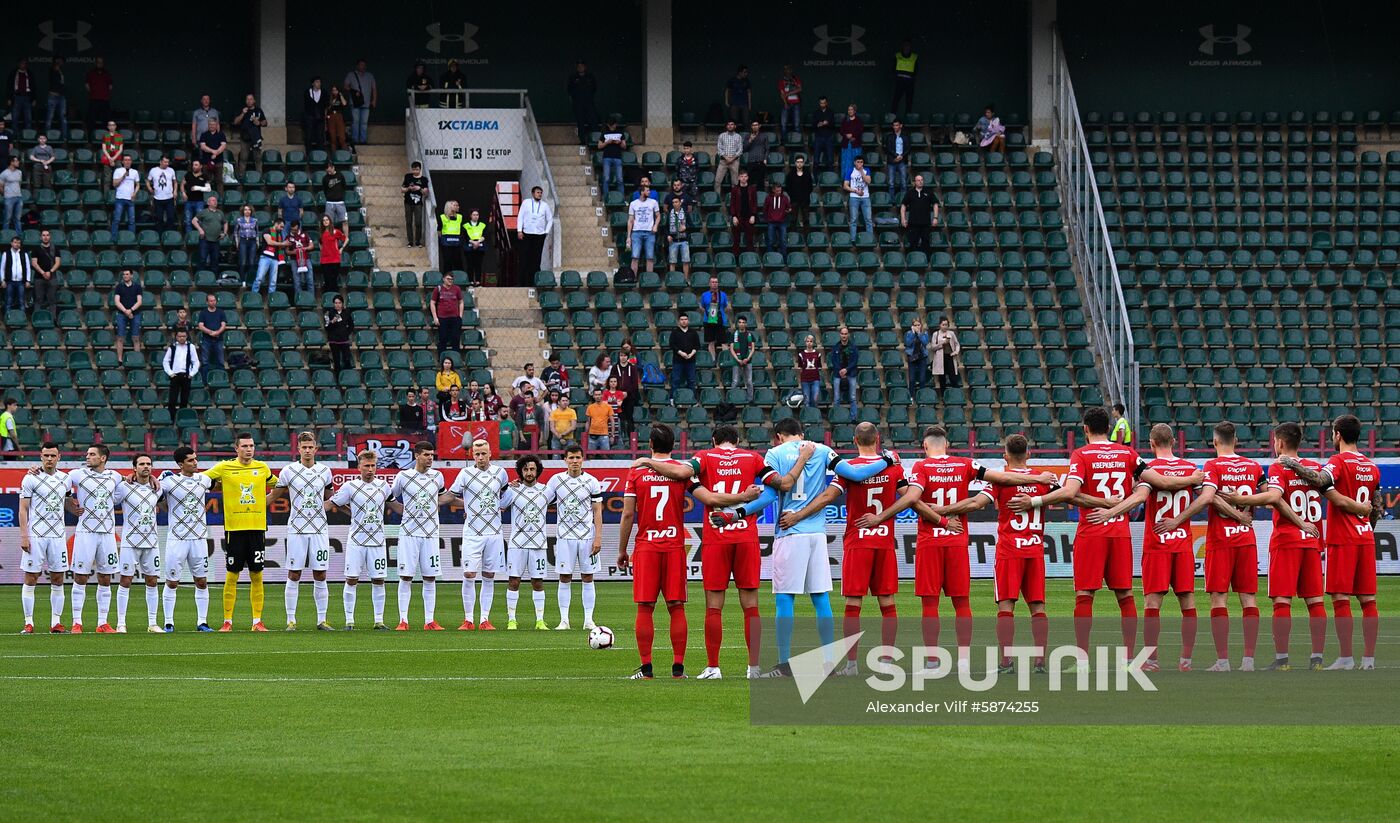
x=347, y=599
x=512, y=598
x=590, y=598
x=1151, y=629
x=1370, y=627
x=488, y=594
x=782, y=624
x=962, y=621
x=930, y=624
x=26, y=599
x=753, y=630
x=850, y=627
x=469, y=597
x=1006, y=631
x=291, y=592
x=230, y=594
x=1040, y=632
x=1127, y=613
x=1220, y=632
x=1188, y=632
x=1341, y=618
x=405, y=598
x=167, y=600
x=1317, y=627
x=826, y=623
x=538, y=597
x=566, y=597
x=201, y=604
x=123, y=599
x=256, y=594
x=680, y=630
x=55, y=604
x=889, y=625
x=429, y=600
x=646, y=631
x=79, y=598
x=377, y=595
x=104, y=602
x=152, y=601
x=1251, y=629
x=1283, y=626
x=714, y=635
x=1083, y=620
x=321, y=594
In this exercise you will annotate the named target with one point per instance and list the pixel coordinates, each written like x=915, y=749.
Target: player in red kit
x=1295, y=549
x=1232, y=554
x=1351, y=483
x=1103, y=552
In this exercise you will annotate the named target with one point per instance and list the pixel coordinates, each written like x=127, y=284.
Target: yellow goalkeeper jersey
x=245, y=493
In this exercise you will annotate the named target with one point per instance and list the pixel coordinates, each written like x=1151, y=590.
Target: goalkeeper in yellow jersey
x=244, y=482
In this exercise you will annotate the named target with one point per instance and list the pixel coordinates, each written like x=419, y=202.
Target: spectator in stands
x=211, y=326
x=446, y=309
x=213, y=151
x=127, y=299
x=337, y=105
x=453, y=407
x=333, y=189
x=333, y=243
x=643, y=218
x=756, y=154
x=245, y=228
x=46, y=261
x=809, y=371
x=991, y=134
x=858, y=186
x=474, y=250
x=160, y=183
x=126, y=181
x=555, y=376
x=491, y=400
x=411, y=414
x=213, y=228
x=303, y=278
x=612, y=142
x=728, y=146
x=7, y=138
x=563, y=424
x=906, y=66
x=250, y=122
x=615, y=397
x=364, y=95
x=453, y=79
x=775, y=213
x=181, y=321
x=799, y=189
x=743, y=213
x=629, y=380
x=476, y=411
x=852, y=133
x=415, y=195
x=430, y=411
x=110, y=154
x=790, y=96
x=533, y=226
x=449, y=235
x=685, y=345
x=472, y=391
x=742, y=346
x=600, y=422
x=897, y=158
x=844, y=359
x=528, y=378
x=531, y=420
x=289, y=205
x=677, y=237
x=181, y=364
x=645, y=191
x=714, y=316
x=420, y=82
x=41, y=156
x=919, y=214
x=274, y=253
x=21, y=95
x=98, y=84
x=200, y=120
x=738, y=95
x=1122, y=431
x=598, y=375
x=9, y=432
x=687, y=201
x=583, y=89
x=446, y=378
x=945, y=349
x=916, y=354
x=17, y=272
x=508, y=432
x=12, y=178
x=313, y=115
x=688, y=171
x=823, y=134
x=193, y=189
x=58, y=95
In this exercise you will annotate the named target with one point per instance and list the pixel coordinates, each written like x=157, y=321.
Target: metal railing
x=1091, y=248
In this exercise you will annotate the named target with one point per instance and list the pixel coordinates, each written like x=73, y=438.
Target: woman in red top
x=491, y=401
x=333, y=244
x=809, y=364
x=614, y=396
x=852, y=133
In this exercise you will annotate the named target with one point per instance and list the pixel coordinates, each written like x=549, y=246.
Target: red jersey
x=1166, y=505
x=945, y=480
x=1019, y=534
x=728, y=470
x=1231, y=474
x=1104, y=470
x=1303, y=499
x=660, y=509
x=871, y=496
x=1355, y=476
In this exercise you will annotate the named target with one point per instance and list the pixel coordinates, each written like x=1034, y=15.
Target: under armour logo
x=1211, y=39
x=825, y=40
x=78, y=35
x=469, y=45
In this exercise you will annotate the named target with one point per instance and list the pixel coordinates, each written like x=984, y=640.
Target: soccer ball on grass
x=600, y=638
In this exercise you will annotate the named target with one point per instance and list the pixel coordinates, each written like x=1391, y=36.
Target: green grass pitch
x=374, y=726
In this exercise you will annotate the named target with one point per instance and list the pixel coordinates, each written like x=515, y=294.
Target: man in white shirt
x=858, y=185
x=529, y=379
x=160, y=182
x=533, y=226
x=17, y=271
x=484, y=490
x=643, y=216
x=181, y=363
x=125, y=181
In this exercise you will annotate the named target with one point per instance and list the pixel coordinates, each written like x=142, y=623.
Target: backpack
x=652, y=376
x=726, y=412
x=625, y=276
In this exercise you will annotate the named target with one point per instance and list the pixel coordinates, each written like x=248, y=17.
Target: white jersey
x=98, y=493
x=306, y=491
x=139, y=516
x=45, y=493
x=528, y=505
x=366, y=502
x=573, y=499
x=483, y=493
x=185, y=498
x=418, y=493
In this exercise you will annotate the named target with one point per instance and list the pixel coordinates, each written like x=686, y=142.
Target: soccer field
x=371, y=725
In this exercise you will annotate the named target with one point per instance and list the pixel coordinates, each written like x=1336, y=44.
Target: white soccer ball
x=600, y=638
x=794, y=400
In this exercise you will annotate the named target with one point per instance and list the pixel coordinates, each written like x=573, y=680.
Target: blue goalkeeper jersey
x=815, y=477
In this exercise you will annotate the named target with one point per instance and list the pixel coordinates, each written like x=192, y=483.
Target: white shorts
x=94, y=553
x=575, y=556
x=186, y=554
x=801, y=564
x=46, y=554
x=308, y=551
x=524, y=563
x=419, y=555
x=143, y=561
x=366, y=561
x=483, y=554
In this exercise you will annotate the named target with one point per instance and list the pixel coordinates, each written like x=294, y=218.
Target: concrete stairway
x=587, y=241
x=381, y=167
x=512, y=324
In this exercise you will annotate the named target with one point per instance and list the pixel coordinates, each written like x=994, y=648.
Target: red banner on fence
x=395, y=450
x=455, y=438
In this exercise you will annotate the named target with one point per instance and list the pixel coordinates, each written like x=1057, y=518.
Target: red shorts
x=869, y=571
x=720, y=561
x=1100, y=561
x=1351, y=568
x=1233, y=568
x=1295, y=572
x=1168, y=571
x=1018, y=577
x=944, y=568
x=658, y=571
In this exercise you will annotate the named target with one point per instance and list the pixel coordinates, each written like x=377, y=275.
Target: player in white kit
x=307, y=486
x=41, y=533
x=484, y=490
x=526, y=553
x=578, y=504
x=187, y=541
x=416, y=494
x=365, y=555
x=97, y=491
x=139, y=548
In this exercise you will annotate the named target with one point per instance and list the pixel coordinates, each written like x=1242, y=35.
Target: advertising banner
x=472, y=139
x=455, y=438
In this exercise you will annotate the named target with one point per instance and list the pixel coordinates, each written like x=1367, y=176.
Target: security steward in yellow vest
x=475, y=249
x=450, y=238
x=906, y=63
